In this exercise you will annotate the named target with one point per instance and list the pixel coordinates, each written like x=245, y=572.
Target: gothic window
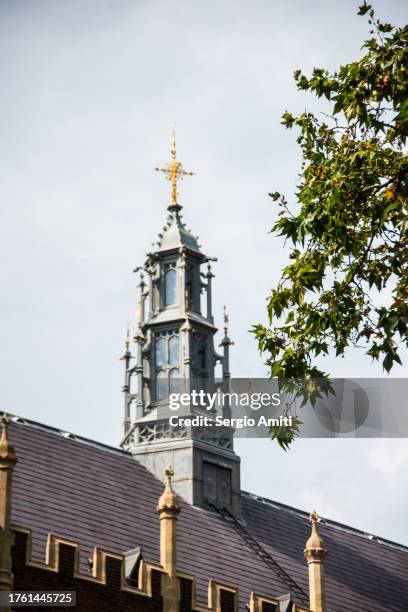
x=167, y=360
x=161, y=385
x=161, y=352
x=174, y=350
x=174, y=380
x=170, y=277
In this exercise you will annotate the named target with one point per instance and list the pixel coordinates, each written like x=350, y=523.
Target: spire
x=174, y=171
x=126, y=357
x=140, y=315
x=226, y=375
x=8, y=460
x=127, y=338
x=175, y=350
x=168, y=509
x=226, y=342
x=141, y=307
x=208, y=287
x=316, y=553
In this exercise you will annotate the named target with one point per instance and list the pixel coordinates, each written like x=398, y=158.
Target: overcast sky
x=88, y=92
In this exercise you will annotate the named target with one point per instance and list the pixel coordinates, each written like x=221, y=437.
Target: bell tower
x=174, y=353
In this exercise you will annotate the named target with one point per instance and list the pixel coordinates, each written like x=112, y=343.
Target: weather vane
x=174, y=170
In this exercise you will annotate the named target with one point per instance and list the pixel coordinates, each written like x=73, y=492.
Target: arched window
x=161, y=385
x=174, y=356
x=174, y=380
x=167, y=360
x=170, y=286
x=161, y=352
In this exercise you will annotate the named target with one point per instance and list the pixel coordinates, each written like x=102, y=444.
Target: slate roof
x=175, y=235
x=99, y=495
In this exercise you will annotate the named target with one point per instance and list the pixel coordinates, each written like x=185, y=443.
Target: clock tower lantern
x=174, y=353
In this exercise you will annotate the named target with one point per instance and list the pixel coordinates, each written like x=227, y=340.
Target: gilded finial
x=174, y=171
x=126, y=356
x=226, y=321
x=226, y=341
x=173, y=140
x=127, y=336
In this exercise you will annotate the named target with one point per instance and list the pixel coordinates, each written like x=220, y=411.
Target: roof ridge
x=325, y=521
x=68, y=435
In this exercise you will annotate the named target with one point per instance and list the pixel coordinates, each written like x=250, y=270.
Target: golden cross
x=174, y=170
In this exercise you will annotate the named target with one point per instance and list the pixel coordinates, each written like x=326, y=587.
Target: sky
x=89, y=91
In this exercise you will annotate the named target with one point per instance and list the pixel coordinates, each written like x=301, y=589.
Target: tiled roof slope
x=99, y=495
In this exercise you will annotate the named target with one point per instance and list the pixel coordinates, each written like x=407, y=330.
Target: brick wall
x=91, y=597
x=107, y=595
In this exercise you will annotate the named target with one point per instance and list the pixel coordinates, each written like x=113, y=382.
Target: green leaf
x=388, y=362
x=364, y=8
x=347, y=223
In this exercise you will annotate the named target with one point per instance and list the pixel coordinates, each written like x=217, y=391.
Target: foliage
x=349, y=232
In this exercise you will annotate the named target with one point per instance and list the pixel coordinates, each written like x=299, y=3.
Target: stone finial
x=8, y=457
x=8, y=460
x=315, y=546
x=168, y=509
x=168, y=500
x=315, y=553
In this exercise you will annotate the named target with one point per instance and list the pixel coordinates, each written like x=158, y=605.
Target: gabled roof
x=99, y=495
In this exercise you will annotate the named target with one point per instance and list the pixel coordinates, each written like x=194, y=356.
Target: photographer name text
x=235, y=423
